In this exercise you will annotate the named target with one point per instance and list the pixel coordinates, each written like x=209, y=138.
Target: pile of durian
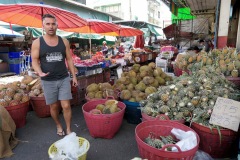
x=100, y=91
x=190, y=96
x=141, y=81
x=36, y=89
x=109, y=107
x=225, y=61
x=11, y=94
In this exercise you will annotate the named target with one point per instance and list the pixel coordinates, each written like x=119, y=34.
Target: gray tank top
x=52, y=60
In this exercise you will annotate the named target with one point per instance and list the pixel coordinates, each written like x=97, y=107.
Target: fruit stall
x=163, y=105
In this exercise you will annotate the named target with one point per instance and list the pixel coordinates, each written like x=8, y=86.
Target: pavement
x=39, y=133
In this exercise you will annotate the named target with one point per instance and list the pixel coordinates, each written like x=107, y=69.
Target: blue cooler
x=15, y=68
x=133, y=112
x=14, y=62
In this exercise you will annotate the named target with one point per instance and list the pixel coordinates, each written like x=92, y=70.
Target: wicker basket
x=161, y=128
x=146, y=117
x=39, y=106
x=19, y=113
x=52, y=149
x=210, y=141
x=102, y=125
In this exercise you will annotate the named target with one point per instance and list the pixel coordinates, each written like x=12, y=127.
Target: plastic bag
x=200, y=155
x=188, y=140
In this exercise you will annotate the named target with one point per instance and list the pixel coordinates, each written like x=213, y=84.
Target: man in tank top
x=48, y=60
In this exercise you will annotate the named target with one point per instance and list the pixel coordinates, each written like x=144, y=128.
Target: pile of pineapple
x=141, y=81
x=225, y=61
x=100, y=91
x=11, y=94
x=190, y=96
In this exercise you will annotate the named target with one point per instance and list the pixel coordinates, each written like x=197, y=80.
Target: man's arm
x=35, y=58
x=70, y=62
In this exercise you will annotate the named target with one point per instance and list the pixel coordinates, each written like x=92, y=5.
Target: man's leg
x=54, y=110
x=67, y=113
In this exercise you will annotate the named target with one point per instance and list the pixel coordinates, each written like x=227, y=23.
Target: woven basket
x=19, y=113
x=161, y=128
x=146, y=117
x=102, y=125
x=210, y=141
x=39, y=106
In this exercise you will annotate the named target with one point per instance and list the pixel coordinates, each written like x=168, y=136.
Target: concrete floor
x=39, y=133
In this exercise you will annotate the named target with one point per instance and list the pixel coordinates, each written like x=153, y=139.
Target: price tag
x=226, y=113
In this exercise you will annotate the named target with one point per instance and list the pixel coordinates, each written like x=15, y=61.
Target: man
x=48, y=60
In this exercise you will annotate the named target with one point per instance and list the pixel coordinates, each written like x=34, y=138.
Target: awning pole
x=216, y=24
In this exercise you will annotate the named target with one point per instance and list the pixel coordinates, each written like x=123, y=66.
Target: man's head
x=104, y=43
x=49, y=24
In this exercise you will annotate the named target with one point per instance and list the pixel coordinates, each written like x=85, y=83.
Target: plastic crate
x=14, y=54
x=133, y=112
x=15, y=68
x=91, y=79
x=99, y=78
x=82, y=82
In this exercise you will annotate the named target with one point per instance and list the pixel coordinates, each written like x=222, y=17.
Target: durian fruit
x=150, y=90
x=98, y=95
x=132, y=73
x=92, y=88
x=91, y=95
x=152, y=65
x=100, y=107
x=125, y=94
x=148, y=80
x=111, y=102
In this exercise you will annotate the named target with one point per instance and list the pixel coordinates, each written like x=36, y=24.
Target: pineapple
x=10, y=92
x=14, y=103
x=25, y=98
x=163, y=109
x=234, y=73
x=164, y=97
x=18, y=96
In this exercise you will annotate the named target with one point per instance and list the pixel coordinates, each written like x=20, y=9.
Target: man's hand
x=74, y=81
x=42, y=74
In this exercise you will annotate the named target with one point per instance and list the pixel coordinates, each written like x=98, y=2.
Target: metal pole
x=216, y=24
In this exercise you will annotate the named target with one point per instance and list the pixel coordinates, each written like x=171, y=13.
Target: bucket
x=210, y=141
x=19, y=113
x=39, y=106
x=161, y=128
x=133, y=112
x=102, y=125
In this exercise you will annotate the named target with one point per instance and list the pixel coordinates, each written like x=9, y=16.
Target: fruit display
x=100, y=91
x=109, y=107
x=190, y=96
x=141, y=81
x=11, y=94
x=225, y=61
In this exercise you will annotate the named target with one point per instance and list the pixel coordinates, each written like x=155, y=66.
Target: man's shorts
x=57, y=90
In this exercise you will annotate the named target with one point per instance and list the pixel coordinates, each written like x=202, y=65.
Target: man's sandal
x=60, y=133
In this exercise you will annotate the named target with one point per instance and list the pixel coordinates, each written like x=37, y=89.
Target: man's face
x=50, y=26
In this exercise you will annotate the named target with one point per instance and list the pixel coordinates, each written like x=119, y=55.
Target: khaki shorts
x=57, y=90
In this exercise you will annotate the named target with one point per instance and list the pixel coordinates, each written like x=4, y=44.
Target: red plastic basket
x=161, y=128
x=116, y=96
x=178, y=72
x=103, y=125
x=146, y=117
x=235, y=80
x=39, y=106
x=210, y=141
x=19, y=113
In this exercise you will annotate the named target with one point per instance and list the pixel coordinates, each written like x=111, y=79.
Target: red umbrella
x=31, y=15
x=95, y=26
x=139, y=42
x=127, y=31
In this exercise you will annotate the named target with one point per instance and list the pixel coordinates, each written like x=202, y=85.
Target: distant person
x=121, y=49
x=201, y=44
x=105, y=48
